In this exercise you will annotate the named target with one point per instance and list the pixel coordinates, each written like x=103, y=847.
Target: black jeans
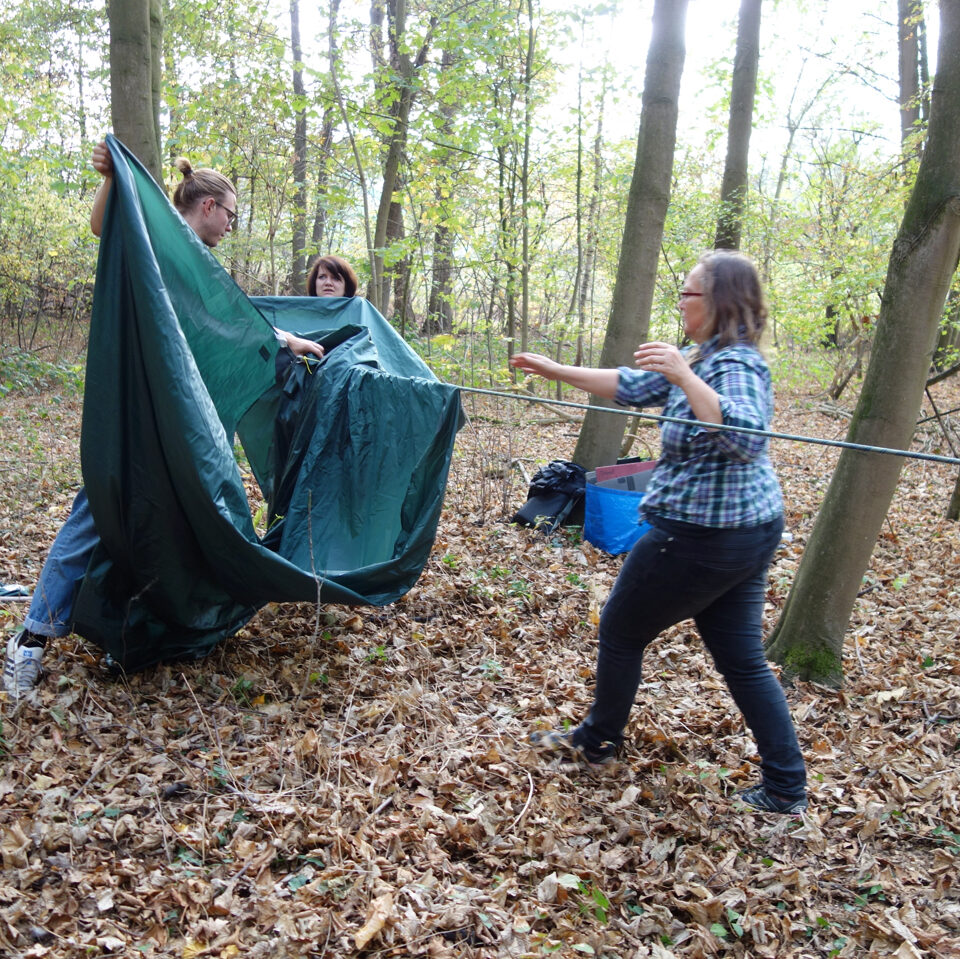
x=717, y=577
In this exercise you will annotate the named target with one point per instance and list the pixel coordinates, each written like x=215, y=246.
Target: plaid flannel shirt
x=711, y=477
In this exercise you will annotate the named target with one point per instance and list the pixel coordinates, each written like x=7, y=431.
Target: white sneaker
x=23, y=666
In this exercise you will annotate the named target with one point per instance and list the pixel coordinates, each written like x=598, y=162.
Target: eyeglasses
x=685, y=293
x=231, y=214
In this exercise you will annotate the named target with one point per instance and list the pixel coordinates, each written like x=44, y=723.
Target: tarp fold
x=351, y=453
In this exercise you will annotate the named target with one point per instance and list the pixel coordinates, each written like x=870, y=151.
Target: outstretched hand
x=536, y=363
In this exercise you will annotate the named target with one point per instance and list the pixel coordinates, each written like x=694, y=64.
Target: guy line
x=843, y=444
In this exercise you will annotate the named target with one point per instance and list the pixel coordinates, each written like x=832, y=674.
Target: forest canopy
x=519, y=126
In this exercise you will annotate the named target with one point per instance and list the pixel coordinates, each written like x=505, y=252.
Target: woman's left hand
x=663, y=358
x=301, y=347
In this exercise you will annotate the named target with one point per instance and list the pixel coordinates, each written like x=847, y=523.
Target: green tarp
x=351, y=453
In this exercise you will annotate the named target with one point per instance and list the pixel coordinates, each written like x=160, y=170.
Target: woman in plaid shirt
x=716, y=514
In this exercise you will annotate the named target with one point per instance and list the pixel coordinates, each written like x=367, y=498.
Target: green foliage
x=820, y=217
x=731, y=925
x=491, y=669
x=242, y=691
x=869, y=890
x=590, y=898
x=946, y=837
x=24, y=372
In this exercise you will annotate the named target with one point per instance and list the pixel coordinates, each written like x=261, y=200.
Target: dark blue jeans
x=679, y=571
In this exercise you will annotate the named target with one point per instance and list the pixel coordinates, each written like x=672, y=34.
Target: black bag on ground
x=555, y=497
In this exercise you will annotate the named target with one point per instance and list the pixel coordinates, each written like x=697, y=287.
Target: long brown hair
x=734, y=296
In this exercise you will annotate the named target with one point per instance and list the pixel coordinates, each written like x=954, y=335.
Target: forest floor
x=357, y=781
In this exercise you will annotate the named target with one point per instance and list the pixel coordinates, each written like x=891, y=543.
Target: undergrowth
x=22, y=371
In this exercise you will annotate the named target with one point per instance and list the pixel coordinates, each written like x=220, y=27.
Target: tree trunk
x=298, y=261
x=440, y=313
x=400, y=271
x=733, y=192
x=81, y=98
x=136, y=38
x=506, y=244
x=592, y=239
x=324, y=150
x=809, y=637
x=525, y=180
x=908, y=47
x=633, y=291
x=325, y=145
x=402, y=78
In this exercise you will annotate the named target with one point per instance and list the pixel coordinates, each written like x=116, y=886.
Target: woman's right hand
x=103, y=164
x=102, y=161
x=536, y=363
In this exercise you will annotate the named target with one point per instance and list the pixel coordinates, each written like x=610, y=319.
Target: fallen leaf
x=377, y=915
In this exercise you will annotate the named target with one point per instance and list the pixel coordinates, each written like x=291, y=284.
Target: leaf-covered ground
x=355, y=782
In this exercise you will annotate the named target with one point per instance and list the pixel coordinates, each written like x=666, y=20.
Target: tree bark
x=440, y=312
x=298, y=260
x=600, y=436
x=136, y=39
x=400, y=271
x=808, y=639
x=325, y=144
x=908, y=47
x=402, y=69
x=507, y=215
x=593, y=228
x=525, y=180
x=733, y=191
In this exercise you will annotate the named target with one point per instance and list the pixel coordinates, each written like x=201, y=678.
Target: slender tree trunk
x=591, y=241
x=586, y=222
x=793, y=123
x=733, y=192
x=440, y=312
x=400, y=271
x=380, y=292
x=318, y=230
x=81, y=98
x=924, y=62
x=600, y=436
x=402, y=70
x=156, y=72
x=578, y=276
x=173, y=111
x=506, y=200
x=298, y=262
x=525, y=179
x=136, y=36
x=809, y=636
x=908, y=47
x=325, y=144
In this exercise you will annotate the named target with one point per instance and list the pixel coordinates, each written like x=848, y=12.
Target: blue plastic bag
x=610, y=519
